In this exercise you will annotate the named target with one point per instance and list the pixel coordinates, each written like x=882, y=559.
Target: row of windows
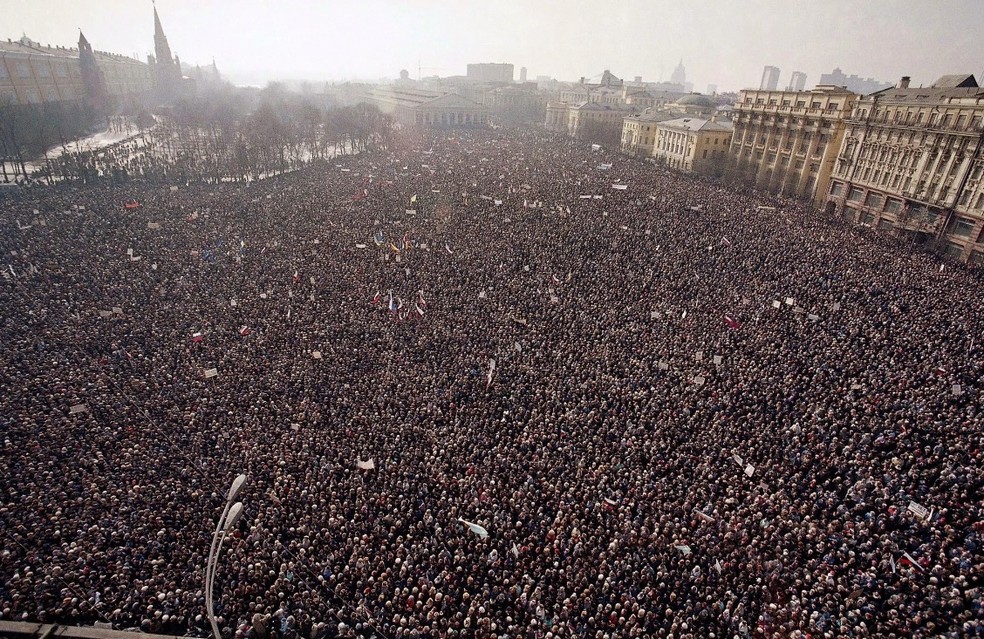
x=916, y=118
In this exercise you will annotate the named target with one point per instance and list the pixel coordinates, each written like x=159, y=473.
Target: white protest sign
x=117, y=310
x=211, y=372
x=369, y=464
x=684, y=549
x=699, y=381
x=663, y=366
x=776, y=304
x=717, y=360
x=78, y=408
x=316, y=354
x=919, y=511
x=153, y=225
x=749, y=470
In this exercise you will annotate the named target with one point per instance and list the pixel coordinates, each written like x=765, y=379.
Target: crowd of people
x=601, y=399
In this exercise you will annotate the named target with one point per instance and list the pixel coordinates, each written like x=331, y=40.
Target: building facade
x=912, y=163
x=428, y=109
x=787, y=141
x=693, y=144
x=34, y=74
x=770, y=79
x=639, y=132
x=490, y=72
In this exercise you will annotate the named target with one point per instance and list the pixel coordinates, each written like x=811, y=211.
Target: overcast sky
x=722, y=42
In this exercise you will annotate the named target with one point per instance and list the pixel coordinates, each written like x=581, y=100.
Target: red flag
x=197, y=337
x=244, y=331
x=732, y=323
x=297, y=276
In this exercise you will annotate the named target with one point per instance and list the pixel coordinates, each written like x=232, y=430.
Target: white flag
x=369, y=464
x=475, y=528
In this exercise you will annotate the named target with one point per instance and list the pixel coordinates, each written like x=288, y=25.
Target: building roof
x=413, y=97
x=947, y=87
x=597, y=106
x=27, y=47
x=696, y=124
x=955, y=81
x=653, y=116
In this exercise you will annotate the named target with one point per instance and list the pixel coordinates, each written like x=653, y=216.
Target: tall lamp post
x=230, y=515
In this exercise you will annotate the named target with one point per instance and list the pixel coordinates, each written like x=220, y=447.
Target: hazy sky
x=723, y=42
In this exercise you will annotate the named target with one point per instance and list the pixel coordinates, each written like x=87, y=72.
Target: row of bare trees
x=29, y=131
x=221, y=134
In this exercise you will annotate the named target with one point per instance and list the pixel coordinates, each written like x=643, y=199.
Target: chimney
x=582, y=79
x=904, y=82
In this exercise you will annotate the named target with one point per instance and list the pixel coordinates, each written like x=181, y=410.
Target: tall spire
x=83, y=43
x=161, y=48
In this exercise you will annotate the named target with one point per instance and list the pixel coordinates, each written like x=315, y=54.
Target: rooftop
x=696, y=124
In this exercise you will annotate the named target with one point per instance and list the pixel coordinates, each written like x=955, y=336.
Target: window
x=814, y=105
x=961, y=121
x=874, y=200
x=23, y=71
x=975, y=122
x=893, y=206
x=962, y=227
x=800, y=104
x=785, y=103
x=855, y=195
x=946, y=120
x=3, y=71
x=43, y=70
x=836, y=188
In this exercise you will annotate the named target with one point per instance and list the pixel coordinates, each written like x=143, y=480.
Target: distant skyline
x=721, y=42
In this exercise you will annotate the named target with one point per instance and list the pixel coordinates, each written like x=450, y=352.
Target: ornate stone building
x=786, y=141
x=426, y=108
x=912, y=163
x=31, y=73
x=694, y=145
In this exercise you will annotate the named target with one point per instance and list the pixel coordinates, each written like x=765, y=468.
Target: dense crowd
x=677, y=410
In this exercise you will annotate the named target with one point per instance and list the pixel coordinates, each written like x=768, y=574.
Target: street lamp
x=230, y=515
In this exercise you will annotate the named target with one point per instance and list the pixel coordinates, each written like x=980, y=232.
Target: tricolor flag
x=725, y=241
x=420, y=298
x=514, y=550
x=732, y=323
x=420, y=311
x=475, y=528
x=448, y=249
x=376, y=298
x=556, y=280
x=394, y=247
x=378, y=239
x=297, y=276
x=196, y=337
x=608, y=504
x=392, y=303
x=244, y=330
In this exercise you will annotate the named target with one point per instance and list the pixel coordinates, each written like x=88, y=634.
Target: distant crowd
x=601, y=400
